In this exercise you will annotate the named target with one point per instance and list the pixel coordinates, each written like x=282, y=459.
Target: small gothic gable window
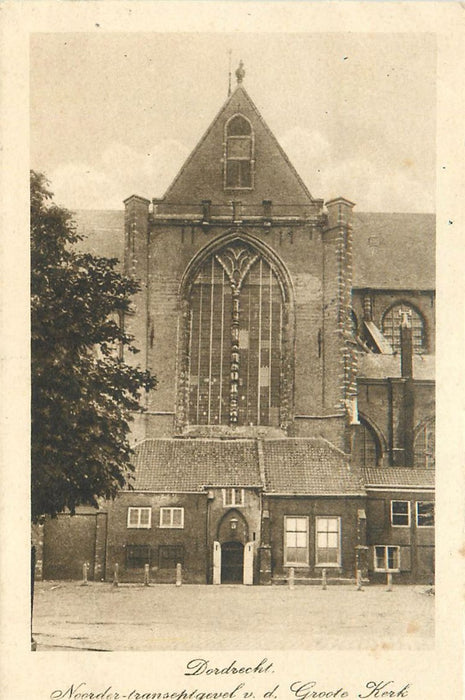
x=238, y=172
x=392, y=320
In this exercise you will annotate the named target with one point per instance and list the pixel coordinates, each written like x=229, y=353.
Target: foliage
x=83, y=393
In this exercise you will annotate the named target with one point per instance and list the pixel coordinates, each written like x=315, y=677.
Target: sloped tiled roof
x=377, y=366
x=398, y=476
x=308, y=466
x=188, y=465
x=102, y=231
x=394, y=251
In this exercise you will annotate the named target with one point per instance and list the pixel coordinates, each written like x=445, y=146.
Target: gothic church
x=293, y=342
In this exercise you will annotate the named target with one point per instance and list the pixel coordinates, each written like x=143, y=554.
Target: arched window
x=392, y=320
x=235, y=340
x=424, y=445
x=238, y=172
x=366, y=449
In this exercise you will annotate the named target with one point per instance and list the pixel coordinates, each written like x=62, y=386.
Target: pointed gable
x=204, y=176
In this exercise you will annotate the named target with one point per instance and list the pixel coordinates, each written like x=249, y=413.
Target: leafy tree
x=83, y=393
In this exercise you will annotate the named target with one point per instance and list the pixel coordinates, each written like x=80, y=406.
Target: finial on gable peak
x=240, y=73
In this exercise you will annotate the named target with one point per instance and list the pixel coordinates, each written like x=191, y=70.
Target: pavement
x=101, y=617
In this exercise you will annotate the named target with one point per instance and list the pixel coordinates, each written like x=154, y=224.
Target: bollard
x=85, y=569
x=359, y=580
x=291, y=579
x=324, y=581
x=389, y=583
x=178, y=574
x=115, y=576
x=146, y=575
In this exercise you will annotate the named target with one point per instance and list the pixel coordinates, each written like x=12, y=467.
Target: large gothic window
x=239, y=154
x=235, y=340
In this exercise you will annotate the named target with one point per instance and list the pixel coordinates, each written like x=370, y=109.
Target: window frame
x=393, y=524
x=138, y=525
x=391, y=336
x=227, y=159
x=233, y=503
x=417, y=514
x=386, y=547
x=338, y=563
x=171, y=526
x=295, y=564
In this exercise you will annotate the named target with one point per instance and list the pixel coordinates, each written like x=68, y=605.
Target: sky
x=117, y=114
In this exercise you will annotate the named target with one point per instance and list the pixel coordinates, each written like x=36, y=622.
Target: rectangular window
x=169, y=556
x=387, y=558
x=328, y=541
x=137, y=556
x=400, y=513
x=425, y=514
x=295, y=541
x=139, y=517
x=233, y=497
x=238, y=174
x=172, y=517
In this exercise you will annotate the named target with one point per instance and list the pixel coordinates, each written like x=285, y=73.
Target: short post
x=115, y=576
x=146, y=575
x=389, y=583
x=291, y=579
x=85, y=569
x=178, y=574
x=359, y=580
x=324, y=581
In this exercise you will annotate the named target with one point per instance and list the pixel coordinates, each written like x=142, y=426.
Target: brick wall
x=345, y=508
x=192, y=537
x=416, y=544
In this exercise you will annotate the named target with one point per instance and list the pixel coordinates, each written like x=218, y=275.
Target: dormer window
x=238, y=172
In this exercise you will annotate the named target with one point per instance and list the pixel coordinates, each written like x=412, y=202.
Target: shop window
x=233, y=497
x=139, y=517
x=328, y=541
x=137, y=556
x=239, y=154
x=387, y=558
x=172, y=517
x=425, y=514
x=400, y=513
x=169, y=556
x=295, y=541
x=392, y=320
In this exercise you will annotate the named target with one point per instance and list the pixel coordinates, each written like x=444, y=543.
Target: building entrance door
x=232, y=562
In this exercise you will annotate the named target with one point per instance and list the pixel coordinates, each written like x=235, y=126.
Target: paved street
x=100, y=617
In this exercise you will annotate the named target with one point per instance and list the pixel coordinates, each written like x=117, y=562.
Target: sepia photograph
x=233, y=314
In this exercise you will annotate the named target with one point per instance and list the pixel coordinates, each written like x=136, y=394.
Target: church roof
x=390, y=251
x=394, y=251
x=398, y=477
x=187, y=465
x=309, y=467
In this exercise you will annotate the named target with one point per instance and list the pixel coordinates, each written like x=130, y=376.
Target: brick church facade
x=293, y=340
